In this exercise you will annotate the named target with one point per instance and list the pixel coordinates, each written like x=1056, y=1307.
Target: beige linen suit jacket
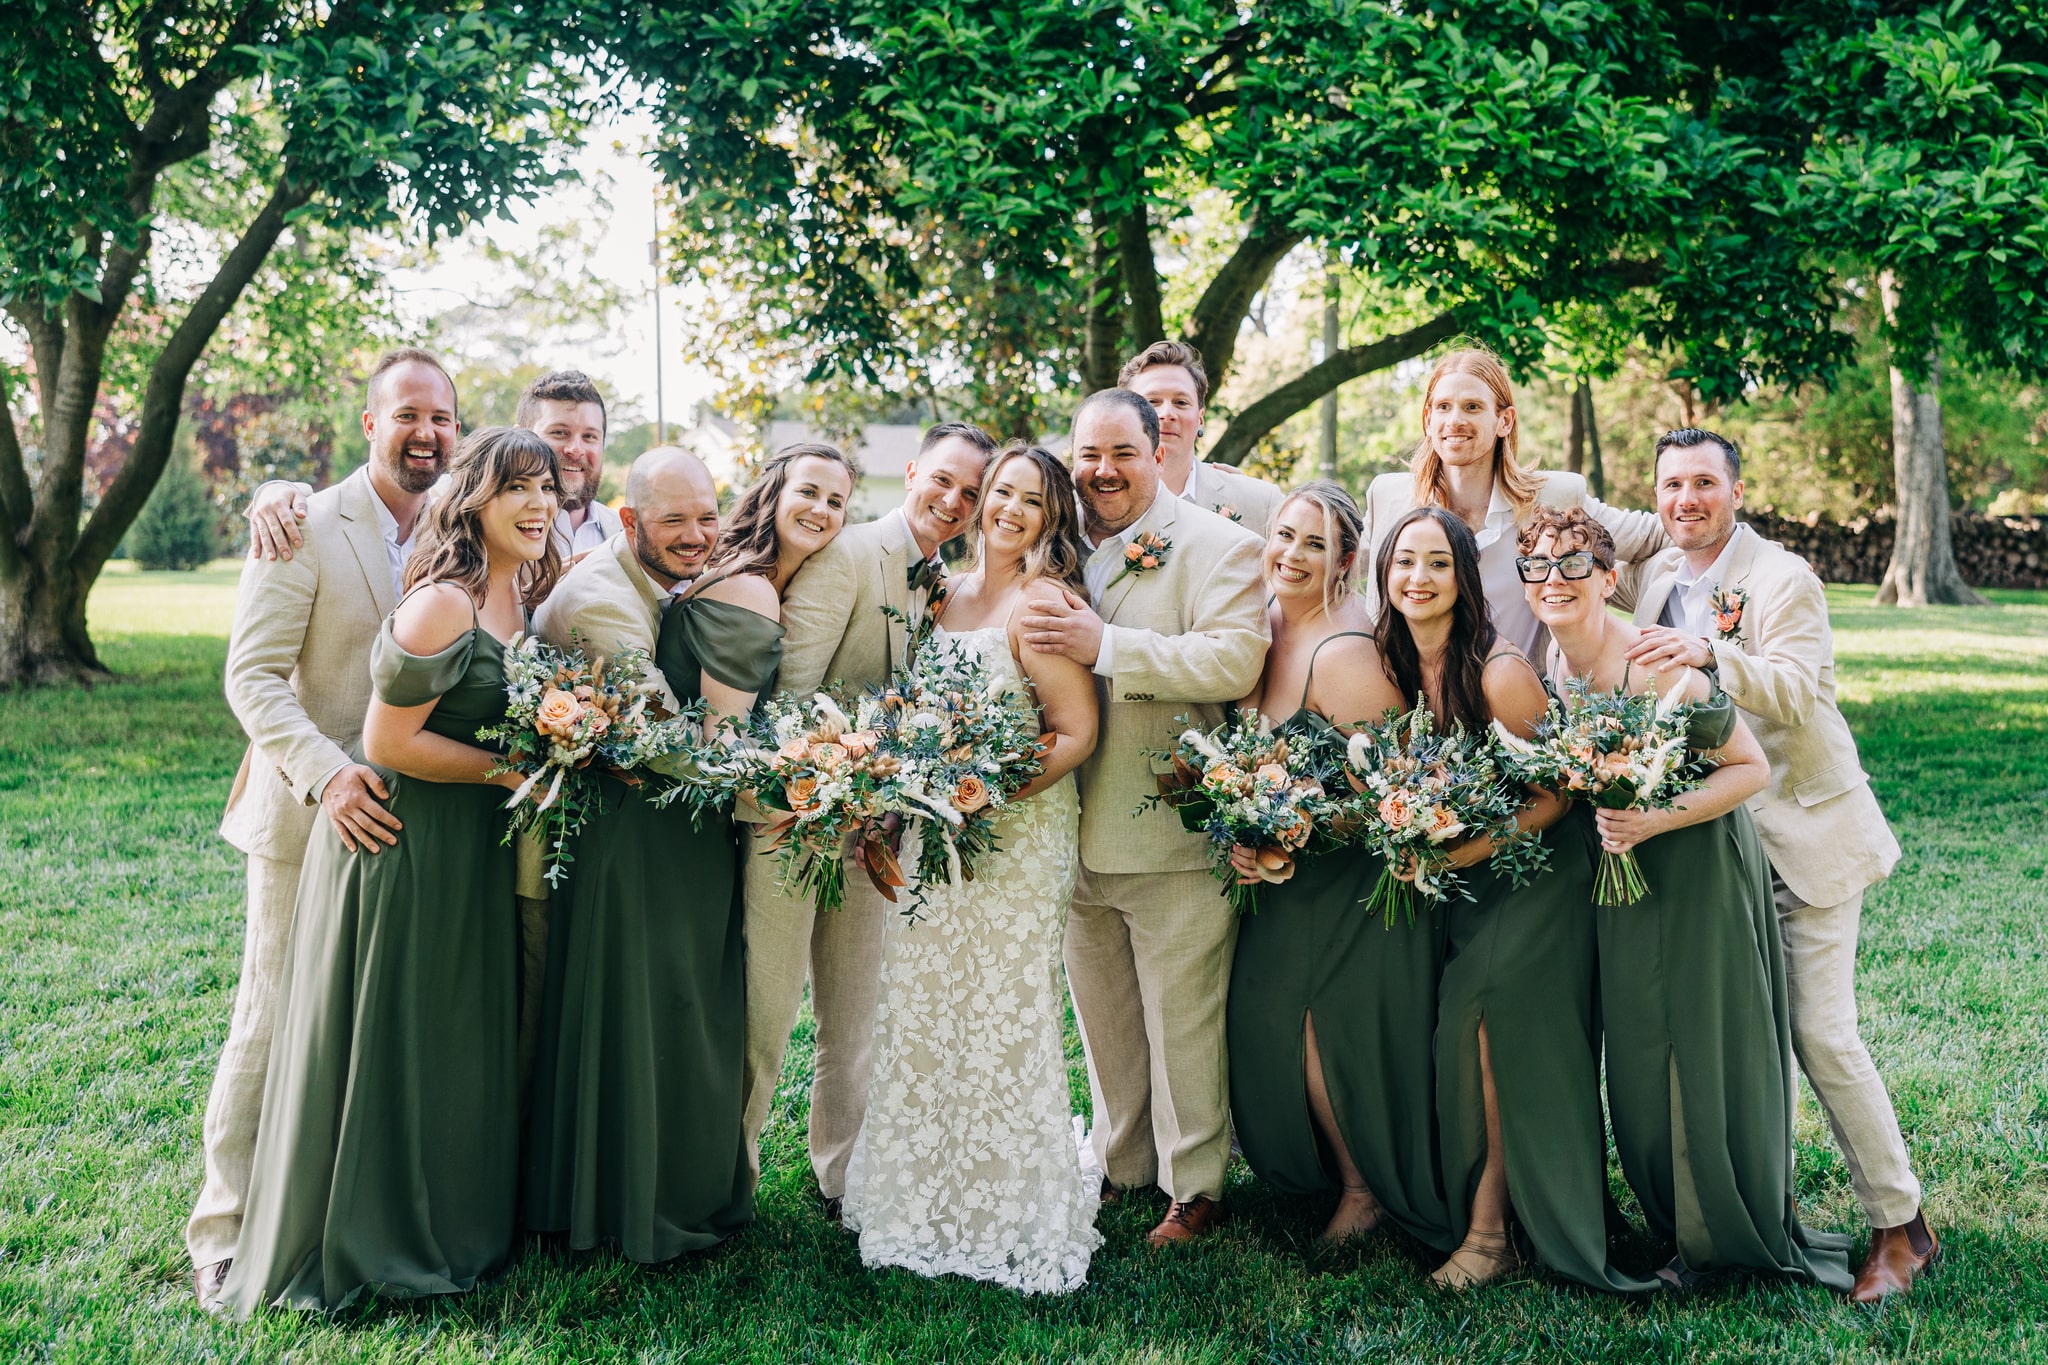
x=608, y=603
x=1819, y=819
x=1637, y=535
x=836, y=600
x=1225, y=490
x=298, y=669
x=1189, y=636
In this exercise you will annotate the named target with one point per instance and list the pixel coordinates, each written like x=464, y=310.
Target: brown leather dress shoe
x=1898, y=1256
x=207, y=1281
x=832, y=1205
x=1111, y=1193
x=1184, y=1222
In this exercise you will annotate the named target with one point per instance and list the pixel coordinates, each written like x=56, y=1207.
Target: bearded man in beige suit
x=1750, y=613
x=1169, y=375
x=298, y=680
x=836, y=632
x=1149, y=935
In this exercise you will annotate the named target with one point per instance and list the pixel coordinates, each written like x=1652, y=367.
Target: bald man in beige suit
x=1150, y=936
x=1752, y=614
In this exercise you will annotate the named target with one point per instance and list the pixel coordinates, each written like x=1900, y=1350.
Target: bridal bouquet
x=1617, y=750
x=1242, y=785
x=961, y=734
x=1423, y=787
x=570, y=719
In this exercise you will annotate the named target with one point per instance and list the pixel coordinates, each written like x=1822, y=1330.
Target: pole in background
x=654, y=259
x=1331, y=295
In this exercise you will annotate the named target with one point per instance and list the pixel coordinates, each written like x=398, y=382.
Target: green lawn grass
x=120, y=925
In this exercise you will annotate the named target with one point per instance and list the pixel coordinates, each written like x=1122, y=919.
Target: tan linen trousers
x=1820, y=982
x=841, y=953
x=236, y=1101
x=1148, y=960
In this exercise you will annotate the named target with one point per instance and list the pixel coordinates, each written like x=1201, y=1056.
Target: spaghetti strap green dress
x=1523, y=960
x=387, y=1153
x=1314, y=949
x=1699, y=1049
x=635, y=1137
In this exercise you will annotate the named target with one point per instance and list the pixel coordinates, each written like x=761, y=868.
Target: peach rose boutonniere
x=1727, y=604
x=1142, y=555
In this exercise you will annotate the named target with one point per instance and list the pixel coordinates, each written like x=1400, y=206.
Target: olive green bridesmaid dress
x=635, y=1136
x=387, y=1153
x=1699, y=1049
x=1314, y=949
x=1523, y=960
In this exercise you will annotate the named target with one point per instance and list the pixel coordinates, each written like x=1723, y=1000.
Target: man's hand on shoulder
x=1663, y=647
x=274, y=515
x=1062, y=622
x=353, y=801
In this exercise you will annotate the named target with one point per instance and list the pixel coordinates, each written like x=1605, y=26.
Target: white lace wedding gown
x=968, y=1161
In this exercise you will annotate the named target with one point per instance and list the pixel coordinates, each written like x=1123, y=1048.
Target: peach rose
x=1223, y=776
x=858, y=742
x=1148, y=561
x=828, y=756
x=1133, y=553
x=1612, y=766
x=1272, y=774
x=970, y=794
x=557, y=714
x=583, y=692
x=1394, y=810
x=1443, y=825
x=802, y=793
x=793, y=750
x=600, y=721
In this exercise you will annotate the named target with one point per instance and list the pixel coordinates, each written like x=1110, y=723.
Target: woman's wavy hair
x=748, y=543
x=1472, y=634
x=1574, y=529
x=451, y=543
x=1343, y=527
x=1057, y=554
x=1431, y=487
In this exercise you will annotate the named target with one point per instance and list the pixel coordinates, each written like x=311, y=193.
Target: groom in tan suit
x=1150, y=936
x=298, y=680
x=836, y=632
x=1729, y=602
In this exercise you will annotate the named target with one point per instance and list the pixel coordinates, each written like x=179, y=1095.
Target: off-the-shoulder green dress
x=1699, y=1049
x=387, y=1153
x=1314, y=948
x=636, y=1136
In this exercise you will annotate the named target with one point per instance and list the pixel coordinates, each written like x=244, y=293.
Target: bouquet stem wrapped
x=1617, y=750
x=1420, y=789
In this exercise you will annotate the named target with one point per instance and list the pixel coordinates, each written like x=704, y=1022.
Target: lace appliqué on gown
x=969, y=1161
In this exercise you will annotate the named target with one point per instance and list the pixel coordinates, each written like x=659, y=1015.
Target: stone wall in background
x=1992, y=552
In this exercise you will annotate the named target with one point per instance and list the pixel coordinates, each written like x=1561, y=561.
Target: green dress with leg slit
x=387, y=1153
x=1699, y=1048
x=1314, y=949
x=635, y=1138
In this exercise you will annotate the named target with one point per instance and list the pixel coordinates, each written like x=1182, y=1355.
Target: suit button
x=284, y=777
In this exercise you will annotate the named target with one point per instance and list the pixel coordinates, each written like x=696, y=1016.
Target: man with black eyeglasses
x=1753, y=615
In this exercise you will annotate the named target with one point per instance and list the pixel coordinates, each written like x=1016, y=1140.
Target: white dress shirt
x=1104, y=560
x=1690, y=606
x=1499, y=547
x=600, y=525
x=395, y=550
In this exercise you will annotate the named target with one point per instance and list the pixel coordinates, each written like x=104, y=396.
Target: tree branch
x=1141, y=278
x=166, y=392
x=1248, y=427
x=1212, y=328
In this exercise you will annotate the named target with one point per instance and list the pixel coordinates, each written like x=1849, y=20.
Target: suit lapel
x=1656, y=593
x=1741, y=560
x=897, y=549
x=365, y=537
x=1158, y=518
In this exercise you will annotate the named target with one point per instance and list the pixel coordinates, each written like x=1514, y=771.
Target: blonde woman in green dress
x=387, y=1155
x=1332, y=1014
x=1692, y=977
x=636, y=1138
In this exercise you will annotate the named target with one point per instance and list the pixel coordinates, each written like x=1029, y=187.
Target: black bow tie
x=925, y=572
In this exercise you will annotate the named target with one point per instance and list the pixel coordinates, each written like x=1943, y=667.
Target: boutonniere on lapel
x=1145, y=553
x=1224, y=509
x=928, y=576
x=1727, y=607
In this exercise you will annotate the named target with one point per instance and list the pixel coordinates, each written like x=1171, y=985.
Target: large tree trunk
x=1103, y=342
x=1596, y=473
x=1333, y=338
x=1923, y=568
x=1575, y=433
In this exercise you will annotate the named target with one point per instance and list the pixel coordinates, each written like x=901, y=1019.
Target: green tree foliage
x=176, y=527
x=886, y=187
x=129, y=130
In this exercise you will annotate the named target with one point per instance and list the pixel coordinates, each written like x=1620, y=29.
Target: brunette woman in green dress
x=387, y=1154
x=1518, y=1040
x=636, y=1136
x=1692, y=977
x=1331, y=1014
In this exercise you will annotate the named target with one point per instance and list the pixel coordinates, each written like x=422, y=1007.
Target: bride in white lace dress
x=968, y=1161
